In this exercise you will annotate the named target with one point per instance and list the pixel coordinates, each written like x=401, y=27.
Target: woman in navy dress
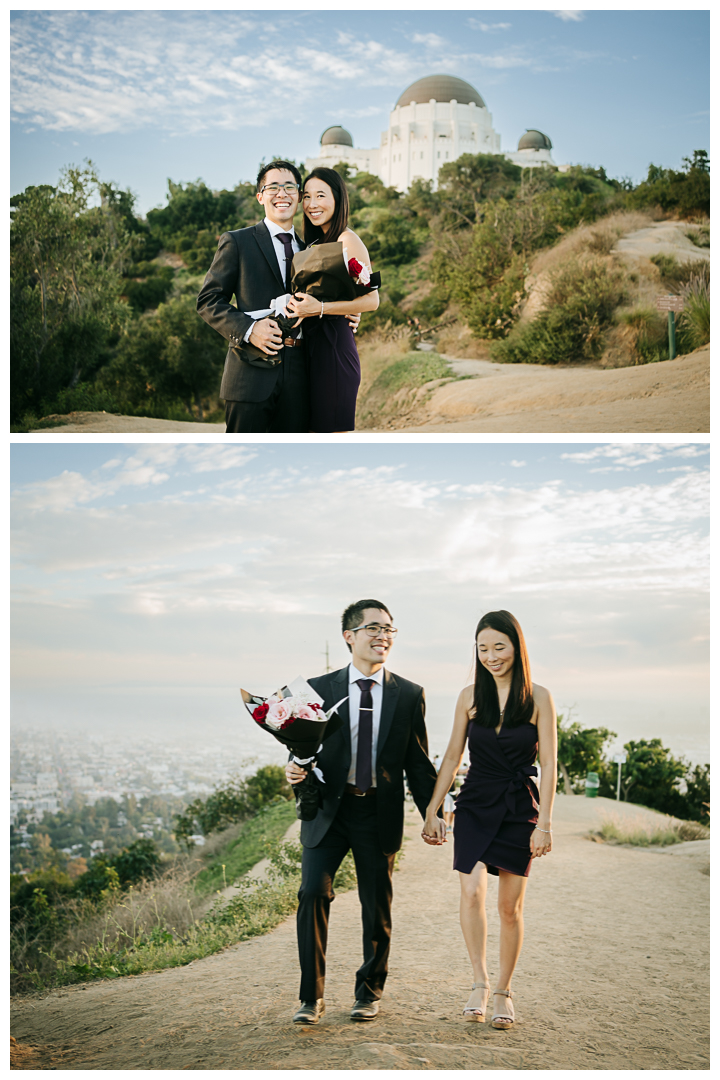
x=334, y=365
x=502, y=821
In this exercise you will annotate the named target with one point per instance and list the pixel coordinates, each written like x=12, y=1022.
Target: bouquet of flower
x=294, y=716
x=321, y=271
x=289, y=327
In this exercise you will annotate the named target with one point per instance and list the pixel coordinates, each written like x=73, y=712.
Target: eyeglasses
x=375, y=630
x=289, y=188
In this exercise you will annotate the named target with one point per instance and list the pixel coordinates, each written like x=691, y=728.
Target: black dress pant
x=286, y=409
x=355, y=829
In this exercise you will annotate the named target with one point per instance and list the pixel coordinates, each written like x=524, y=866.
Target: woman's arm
x=541, y=841
x=434, y=827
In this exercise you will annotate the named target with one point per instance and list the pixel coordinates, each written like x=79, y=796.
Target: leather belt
x=350, y=789
x=290, y=343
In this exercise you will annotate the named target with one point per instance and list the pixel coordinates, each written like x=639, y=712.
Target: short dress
x=334, y=371
x=496, y=809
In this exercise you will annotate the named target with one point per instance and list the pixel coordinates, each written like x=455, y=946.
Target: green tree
x=391, y=240
x=697, y=795
x=467, y=183
x=234, y=801
x=580, y=750
x=651, y=776
x=68, y=248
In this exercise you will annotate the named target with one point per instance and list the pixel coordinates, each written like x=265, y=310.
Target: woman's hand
x=294, y=773
x=434, y=831
x=540, y=843
x=303, y=304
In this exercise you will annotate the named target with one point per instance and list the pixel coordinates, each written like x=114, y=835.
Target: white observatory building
x=434, y=121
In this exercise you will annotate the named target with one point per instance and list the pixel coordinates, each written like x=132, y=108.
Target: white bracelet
x=322, y=308
x=548, y=831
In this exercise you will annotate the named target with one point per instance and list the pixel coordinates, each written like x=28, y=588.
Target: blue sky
x=185, y=94
x=152, y=580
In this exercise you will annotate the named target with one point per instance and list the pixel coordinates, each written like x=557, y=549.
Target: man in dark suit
x=254, y=264
x=383, y=737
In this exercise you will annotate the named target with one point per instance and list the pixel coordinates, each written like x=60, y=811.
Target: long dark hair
x=338, y=224
x=520, y=706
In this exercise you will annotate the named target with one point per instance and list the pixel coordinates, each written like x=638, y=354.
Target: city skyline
x=151, y=581
x=146, y=96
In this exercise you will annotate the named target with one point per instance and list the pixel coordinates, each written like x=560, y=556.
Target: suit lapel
x=267, y=246
x=391, y=692
x=339, y=691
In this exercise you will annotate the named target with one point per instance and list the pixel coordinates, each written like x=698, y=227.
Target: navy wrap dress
x=496, y=810
x=334, y=371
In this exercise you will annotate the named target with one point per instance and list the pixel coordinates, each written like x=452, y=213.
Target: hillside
x=576, y=1006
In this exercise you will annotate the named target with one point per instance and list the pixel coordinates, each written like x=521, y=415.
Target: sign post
x=620, y=759
x=671, y=304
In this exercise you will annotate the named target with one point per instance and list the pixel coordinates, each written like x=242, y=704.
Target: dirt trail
x=616, y=949
x=671, y=396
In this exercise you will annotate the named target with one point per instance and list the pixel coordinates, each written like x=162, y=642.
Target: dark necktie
x=286, y=239
x=363, y=760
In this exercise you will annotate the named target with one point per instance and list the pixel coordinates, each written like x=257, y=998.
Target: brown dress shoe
x=365, y=1010
x=309, y=1012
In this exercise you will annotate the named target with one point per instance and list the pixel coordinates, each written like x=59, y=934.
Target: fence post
x=671, y=334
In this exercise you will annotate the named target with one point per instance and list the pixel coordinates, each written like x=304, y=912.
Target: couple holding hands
x=502, y=821
x=292, y=364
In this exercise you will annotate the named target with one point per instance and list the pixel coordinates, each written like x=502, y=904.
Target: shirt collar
x=354, y=674
x=274, y=229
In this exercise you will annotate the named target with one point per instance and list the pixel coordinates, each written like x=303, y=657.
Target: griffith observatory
x=435, y=120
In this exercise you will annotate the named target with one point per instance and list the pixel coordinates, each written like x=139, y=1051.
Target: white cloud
x=433, y=41
x=487, y=28
x=570, y=16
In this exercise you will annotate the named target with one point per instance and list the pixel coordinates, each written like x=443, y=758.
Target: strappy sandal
x=505, y=1020
x=477, y=1010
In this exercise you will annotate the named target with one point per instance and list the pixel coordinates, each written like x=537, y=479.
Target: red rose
x=261, y=712
x=314, y=705
x=355, y=267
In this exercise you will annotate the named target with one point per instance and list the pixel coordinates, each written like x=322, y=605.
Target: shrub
x=235, y=801
x=646, y=334
x=695, y=318
x=580, y=301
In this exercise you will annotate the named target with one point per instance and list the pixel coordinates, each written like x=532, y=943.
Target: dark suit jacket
x=402, y=748
x=245, y=266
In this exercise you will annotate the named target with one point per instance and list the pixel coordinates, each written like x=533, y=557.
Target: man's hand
x=266, y=335
x=354, y=321
x=434, y=831
x=294, y=773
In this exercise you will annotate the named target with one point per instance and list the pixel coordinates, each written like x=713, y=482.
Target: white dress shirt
x=274, y=229
x=354, y=708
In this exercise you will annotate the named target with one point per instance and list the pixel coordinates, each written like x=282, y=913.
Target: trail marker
x=620, y=759
x=671, y=304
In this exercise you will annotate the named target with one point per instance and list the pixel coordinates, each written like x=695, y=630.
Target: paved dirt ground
x=672, y=396
x=613, y=975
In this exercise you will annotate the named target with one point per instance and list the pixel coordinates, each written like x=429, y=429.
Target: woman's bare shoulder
x=541, y=694
x=353, y=244
x=466, y=697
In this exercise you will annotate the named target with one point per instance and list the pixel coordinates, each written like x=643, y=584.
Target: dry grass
x=377, y=352
x=169, y=903
x=646, y=832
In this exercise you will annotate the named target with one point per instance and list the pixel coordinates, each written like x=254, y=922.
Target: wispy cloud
x=569, y=16
x=487, y=28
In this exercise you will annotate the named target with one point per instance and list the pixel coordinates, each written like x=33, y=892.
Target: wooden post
x=671, y=334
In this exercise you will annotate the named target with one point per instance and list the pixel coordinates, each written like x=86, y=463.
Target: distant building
x=434, y=121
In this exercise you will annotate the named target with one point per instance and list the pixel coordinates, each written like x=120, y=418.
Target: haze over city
x=151, y=581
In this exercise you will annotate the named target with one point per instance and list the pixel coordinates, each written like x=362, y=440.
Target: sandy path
x=672, y=396
x=99, y=422
x=616, y=946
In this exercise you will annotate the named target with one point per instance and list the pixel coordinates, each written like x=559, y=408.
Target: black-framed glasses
x=288, y=188
x=376, y=630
